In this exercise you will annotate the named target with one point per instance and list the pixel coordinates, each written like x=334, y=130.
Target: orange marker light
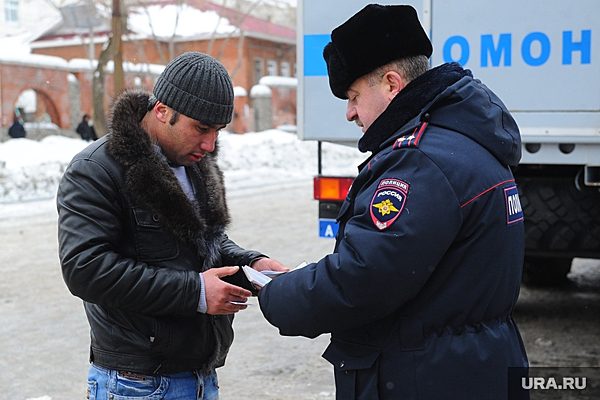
x=331, y=187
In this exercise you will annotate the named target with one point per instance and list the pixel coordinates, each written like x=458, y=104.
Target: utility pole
x=117, y=28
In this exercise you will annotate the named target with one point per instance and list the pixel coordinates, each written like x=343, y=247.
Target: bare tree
x=98, y=90
x=157, y=43
x=214, y=32
x=240, y=55
x=240, y=46
x=111, y=50
x=174, y=34
x=117, y=35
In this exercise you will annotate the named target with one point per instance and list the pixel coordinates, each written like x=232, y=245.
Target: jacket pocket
x=129, y=386
x=355, y=369
x=152, y=243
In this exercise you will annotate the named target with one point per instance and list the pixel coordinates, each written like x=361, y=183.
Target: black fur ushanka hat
x=371, y=38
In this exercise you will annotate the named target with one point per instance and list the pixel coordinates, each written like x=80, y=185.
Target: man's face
x=186, y=141
x=366, y=102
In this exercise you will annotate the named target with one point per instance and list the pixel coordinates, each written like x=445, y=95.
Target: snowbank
x=31, y=170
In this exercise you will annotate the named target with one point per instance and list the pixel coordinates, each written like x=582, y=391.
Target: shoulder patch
x=388, y=202
x=412, y=140
x=514, y=212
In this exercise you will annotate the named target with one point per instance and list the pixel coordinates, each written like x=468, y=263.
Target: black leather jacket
x=132, y=245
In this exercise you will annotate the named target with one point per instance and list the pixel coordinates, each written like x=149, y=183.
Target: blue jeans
x=104, y=384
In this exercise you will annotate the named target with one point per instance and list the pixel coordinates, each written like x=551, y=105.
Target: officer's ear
x=393, y=84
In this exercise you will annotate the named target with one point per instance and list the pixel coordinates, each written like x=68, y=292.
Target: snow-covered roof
x=249, y=23
x=34, y=60
x=176, y=21
x=85, y=64
x=194, y=20
x=76, y=64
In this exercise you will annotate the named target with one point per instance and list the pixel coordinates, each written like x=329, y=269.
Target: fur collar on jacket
x=151, y=183
x=409, y=103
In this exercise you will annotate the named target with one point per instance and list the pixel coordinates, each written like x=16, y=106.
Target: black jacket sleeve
x=232, y=254
x=374, y=272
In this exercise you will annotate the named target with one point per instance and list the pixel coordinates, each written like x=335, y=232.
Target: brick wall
x=51, y=86
x=246, y=61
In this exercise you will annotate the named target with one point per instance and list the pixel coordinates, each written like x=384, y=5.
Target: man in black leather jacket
x=142, y=219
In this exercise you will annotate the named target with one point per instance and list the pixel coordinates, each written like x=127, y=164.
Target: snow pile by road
x=31, y=170
x=276, y=157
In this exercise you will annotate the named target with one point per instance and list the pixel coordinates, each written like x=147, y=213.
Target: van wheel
x=560, y=220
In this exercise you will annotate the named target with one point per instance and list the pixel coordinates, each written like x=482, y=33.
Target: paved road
x=44, y=334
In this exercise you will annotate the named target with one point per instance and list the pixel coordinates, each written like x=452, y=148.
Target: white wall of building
x=26, y=19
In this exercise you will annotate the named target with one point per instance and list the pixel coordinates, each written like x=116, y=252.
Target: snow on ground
x=31, y=170
x=277, y=157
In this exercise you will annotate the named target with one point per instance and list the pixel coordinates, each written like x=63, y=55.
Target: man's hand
x=268, y=264
x=220, y=294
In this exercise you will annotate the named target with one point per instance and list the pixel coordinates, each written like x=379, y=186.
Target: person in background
x=419, y=291
x=93, y=134
x=142, y=220
x=84, y=128
x=17, y=130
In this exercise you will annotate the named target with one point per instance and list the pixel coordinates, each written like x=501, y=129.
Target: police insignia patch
x=388, y=202
x=514, y=212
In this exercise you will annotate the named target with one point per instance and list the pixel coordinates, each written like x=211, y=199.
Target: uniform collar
x=409, y=104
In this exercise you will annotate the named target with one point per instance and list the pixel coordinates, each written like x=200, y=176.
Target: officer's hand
x=220, y=294
x=268, y=264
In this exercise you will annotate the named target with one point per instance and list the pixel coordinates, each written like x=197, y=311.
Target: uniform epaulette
x=412, y=140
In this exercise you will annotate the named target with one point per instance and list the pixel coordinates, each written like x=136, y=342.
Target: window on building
x=285, y=69
x=11, y=10
x=258, y=69
x=272, y=67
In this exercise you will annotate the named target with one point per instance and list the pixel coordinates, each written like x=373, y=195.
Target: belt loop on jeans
x=155, y=372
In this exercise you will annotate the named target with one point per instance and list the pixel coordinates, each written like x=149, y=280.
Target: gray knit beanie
x=198, y=86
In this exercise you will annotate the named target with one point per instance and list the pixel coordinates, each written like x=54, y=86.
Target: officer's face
x=366, y=101
x=186, y=141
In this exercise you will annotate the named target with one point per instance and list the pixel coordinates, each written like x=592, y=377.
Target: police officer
x=419, y=291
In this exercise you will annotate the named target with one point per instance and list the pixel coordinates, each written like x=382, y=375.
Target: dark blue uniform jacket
x=419, y=291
